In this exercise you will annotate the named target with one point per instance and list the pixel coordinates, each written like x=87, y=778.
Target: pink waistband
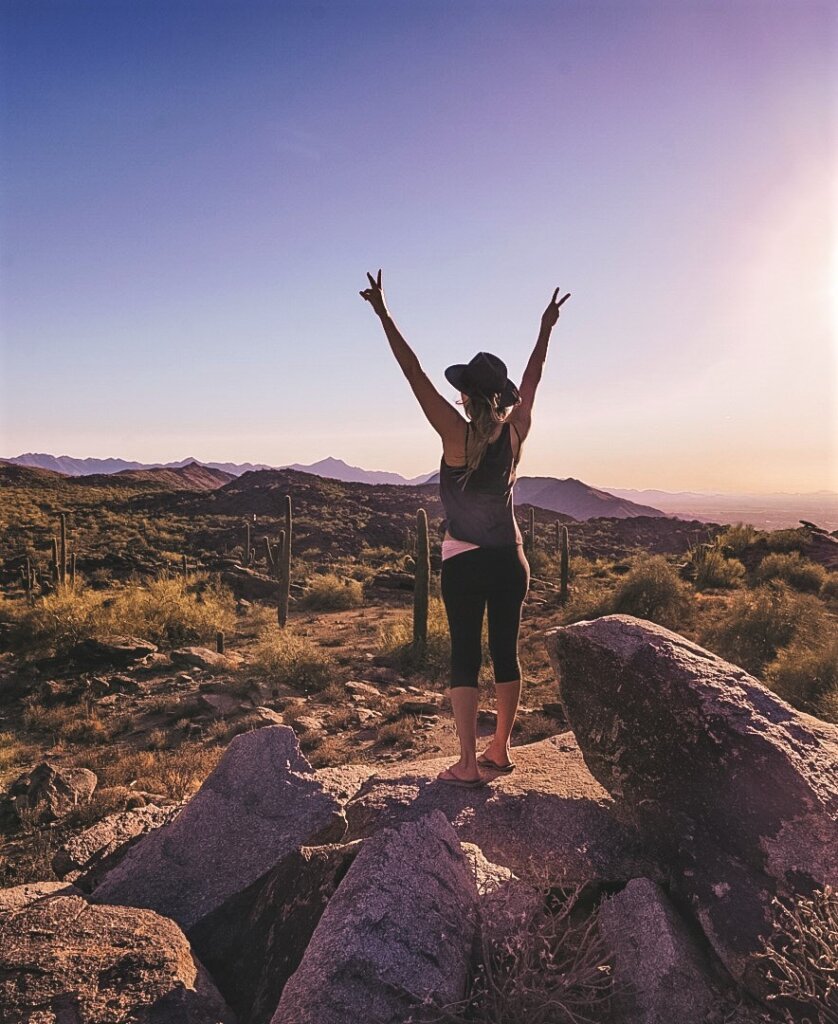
x=455, y=547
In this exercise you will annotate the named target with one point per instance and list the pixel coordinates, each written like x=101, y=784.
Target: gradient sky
x=193, y=192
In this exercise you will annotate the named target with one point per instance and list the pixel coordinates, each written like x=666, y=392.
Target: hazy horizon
x=193, y=193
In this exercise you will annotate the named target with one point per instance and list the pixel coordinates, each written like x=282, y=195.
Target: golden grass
x=283, y=656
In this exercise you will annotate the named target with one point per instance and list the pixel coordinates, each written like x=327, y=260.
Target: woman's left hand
x=551, y=314
x=375, y=295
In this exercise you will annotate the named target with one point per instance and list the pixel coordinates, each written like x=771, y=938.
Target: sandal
x=486, y=762
x=453, y=780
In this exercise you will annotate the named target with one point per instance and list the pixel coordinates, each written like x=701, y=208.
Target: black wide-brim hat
x=484, y=376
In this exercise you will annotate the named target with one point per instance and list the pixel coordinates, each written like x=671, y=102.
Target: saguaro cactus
x=56, y=575
x=284, y=560
x=73, y=570
x=62, y=572
x=219, y=641
x=564, y=564
x=530, y=535
x=247, y=543
x=422, y=582
x=558, y=527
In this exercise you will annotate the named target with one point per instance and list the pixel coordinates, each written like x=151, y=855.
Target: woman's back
x=480, y=509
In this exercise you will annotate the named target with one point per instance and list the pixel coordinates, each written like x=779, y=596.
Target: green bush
x=800, y=573
x=652, y=590
x=281, y=656
x=328, y=592
x=710, y=568
x=758, y=623
x=804, y=675
x=786, y=540
x=737, y=538
x=829, y=587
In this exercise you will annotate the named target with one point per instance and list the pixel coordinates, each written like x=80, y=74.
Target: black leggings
x=472, y=580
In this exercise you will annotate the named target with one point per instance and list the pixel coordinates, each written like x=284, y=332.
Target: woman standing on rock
x=483, y=561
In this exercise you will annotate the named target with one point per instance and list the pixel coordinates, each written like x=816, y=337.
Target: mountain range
x=569, y=496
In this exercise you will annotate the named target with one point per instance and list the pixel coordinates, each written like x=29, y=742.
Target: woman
x=483, y=562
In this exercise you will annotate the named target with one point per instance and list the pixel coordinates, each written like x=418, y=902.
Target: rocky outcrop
x=260, y=803
x=49, y=792
x=112, y=650
x=62, y=959
x=87, y=857
x=203, y=657
x=734, y=790
x=549, y=809
x=399, y=930
x=661, y=974
x=255, y=941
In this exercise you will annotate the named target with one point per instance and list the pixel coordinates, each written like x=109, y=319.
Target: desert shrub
x=540, y=959
x=800, y=573
x=799, y=959
x=399, y=733
x=165, y=611
x=829, y=587
x=804, y=675
x=709, y=567
x=758, y=623
x=328, y=592
x=169, y=611
x=652, y=590
x=737, y=538
x=282, y=656
x=786, y=540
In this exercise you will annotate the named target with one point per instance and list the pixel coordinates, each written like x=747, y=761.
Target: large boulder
x=254, y=942
x=112, y=650
x=734, y=790
x=661, y=974
x=88, y=856
x=62, y=959
x=20, y=896
x=398, y=931
x=550, y=810
x=260, y=803
x=50, y=791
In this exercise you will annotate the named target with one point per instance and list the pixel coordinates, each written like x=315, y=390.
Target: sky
x=191, y=194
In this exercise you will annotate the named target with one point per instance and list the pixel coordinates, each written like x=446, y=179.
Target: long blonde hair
x=484, y=415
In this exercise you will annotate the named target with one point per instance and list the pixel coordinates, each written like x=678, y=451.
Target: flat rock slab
x=112, y=650
x=62, y=959
x=87, y=857
x=260, y=803
x=550, y=809
x=399, y=930
x=203, y=657
x=735, y=790
x=20, y=896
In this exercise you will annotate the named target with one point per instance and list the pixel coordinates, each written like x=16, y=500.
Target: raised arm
x=522, y=413
x=441, y=414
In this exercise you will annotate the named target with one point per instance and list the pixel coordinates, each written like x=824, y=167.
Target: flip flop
x=464, y=783
x=486, y=762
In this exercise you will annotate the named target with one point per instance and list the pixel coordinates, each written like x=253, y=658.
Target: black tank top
x=482, y=512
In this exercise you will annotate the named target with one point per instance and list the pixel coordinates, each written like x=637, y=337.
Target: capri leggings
x=495, y=578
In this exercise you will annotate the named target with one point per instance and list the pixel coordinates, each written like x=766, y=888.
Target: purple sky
x=193, y=192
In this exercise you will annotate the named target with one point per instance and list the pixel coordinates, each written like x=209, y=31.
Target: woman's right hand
x=375, y=295
x=551, y=314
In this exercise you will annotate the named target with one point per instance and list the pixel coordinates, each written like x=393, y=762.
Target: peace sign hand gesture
x=551, y=314
x=374, y=295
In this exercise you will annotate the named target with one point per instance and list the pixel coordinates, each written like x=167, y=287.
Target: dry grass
x=400, y=733
x=801, y=573
x=548, y=966
x=329, y=592
x=168, y=611
x=807, y=677
x=80, y=724
x=283, y=657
